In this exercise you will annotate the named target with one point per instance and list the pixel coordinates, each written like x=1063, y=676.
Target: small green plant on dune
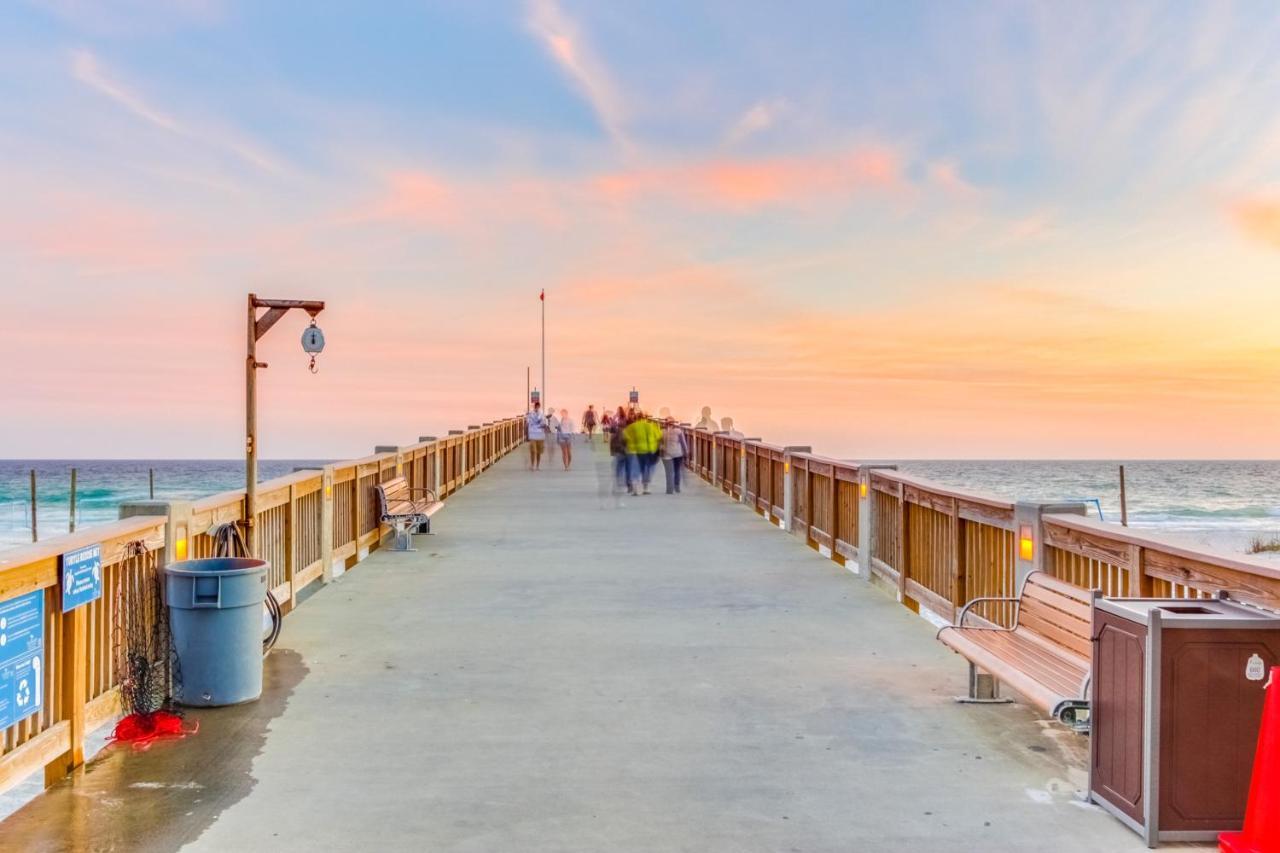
x=1264, y=544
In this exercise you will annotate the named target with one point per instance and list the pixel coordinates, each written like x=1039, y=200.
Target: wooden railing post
x=433, y=452
x=788, y=487
x=328, y=571
x=867, y=517
x=959, y=565
x=1140, y=585
x=73, y=664
x=460, y=472
x=471, y=462
x=291, y=546
x=742, y=471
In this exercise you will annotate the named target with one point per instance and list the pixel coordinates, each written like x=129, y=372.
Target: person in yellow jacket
x=642, y=437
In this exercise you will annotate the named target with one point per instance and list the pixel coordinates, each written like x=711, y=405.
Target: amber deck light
x=1026, y=543
x=862, y=489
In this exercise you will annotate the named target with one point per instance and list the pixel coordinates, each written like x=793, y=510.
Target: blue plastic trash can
x=215, y=616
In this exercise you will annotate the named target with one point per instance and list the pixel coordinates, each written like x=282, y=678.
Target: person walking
x=674, y=449
x=643, y=438
x=535, y=429
x=618, y=450
x=652, y=446
x=634, y=440
x=589, y=423
x=564, y=438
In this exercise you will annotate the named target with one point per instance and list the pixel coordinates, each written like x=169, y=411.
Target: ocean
x=1217, y=504
x=102, y=484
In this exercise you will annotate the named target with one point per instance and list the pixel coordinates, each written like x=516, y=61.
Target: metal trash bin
x=1178, y=688
x=215, y=617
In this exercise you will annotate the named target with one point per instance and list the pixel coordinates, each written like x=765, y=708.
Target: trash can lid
x=217, y=565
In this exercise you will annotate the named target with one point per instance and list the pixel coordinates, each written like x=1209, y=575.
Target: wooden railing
x=938, y=547
x=312, y=525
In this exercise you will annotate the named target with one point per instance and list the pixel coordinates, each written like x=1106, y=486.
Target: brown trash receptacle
x=1177, y=691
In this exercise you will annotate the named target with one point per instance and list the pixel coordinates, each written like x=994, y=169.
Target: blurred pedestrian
x=643, y=438
x=618, y=450
x=535, y=428
x=564, y=438
x=589, y=423
x=674, y=448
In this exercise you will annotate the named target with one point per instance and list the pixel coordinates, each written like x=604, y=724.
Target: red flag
x=542, y=295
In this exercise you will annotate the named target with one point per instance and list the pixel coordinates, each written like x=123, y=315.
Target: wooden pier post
x=35, y=528
x=867, y=517
x=788, y=487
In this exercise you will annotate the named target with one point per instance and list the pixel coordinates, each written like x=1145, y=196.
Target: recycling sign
x=22, y=669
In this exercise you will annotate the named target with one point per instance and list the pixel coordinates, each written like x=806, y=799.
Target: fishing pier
x=742, y=666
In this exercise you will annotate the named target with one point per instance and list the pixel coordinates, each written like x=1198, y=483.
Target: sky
x=887, y=230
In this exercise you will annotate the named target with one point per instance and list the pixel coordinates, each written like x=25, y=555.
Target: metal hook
x=312, y=366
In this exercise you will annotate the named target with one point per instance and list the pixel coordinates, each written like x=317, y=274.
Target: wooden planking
x=928, y=557
x=989, y=569
x=930, y=599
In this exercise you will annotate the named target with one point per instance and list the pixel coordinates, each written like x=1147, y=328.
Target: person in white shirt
x=535, y=426
x=564, y=437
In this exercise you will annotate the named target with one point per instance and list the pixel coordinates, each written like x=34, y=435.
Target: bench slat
x=1042, y=622
x=1061, y=587
x=1043, y=695
x=1052, y=598
x=1042, y=662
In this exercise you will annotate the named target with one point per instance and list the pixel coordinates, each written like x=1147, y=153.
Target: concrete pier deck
x=551, y=672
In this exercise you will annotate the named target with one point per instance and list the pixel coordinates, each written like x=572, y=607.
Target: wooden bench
x=406, y=509
x=1045, y=656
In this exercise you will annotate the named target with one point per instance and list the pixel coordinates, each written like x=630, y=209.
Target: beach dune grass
x=1264, y=544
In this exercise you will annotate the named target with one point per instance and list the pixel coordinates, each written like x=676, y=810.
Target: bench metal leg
x=983, y=689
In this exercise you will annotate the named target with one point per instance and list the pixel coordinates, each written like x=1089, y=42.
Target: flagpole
x=542, y=298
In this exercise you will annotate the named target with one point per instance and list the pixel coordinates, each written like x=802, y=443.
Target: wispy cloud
x=945, y=174
x=761, y=116
x=573, y=52
x=86, y=68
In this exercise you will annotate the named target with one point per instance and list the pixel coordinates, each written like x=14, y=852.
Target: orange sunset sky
x=886, y=230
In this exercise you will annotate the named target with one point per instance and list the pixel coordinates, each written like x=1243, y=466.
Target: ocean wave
x=1178, y=513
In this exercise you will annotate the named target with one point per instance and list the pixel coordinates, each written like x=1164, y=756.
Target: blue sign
x=81, y=576
x=22, y=669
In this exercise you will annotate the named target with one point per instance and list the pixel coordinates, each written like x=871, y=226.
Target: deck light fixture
x=1026, y=542
x=862, y=489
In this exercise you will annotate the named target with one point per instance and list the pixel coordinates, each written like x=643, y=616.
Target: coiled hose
x=228, y=541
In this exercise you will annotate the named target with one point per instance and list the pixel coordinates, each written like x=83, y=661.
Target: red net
x=142, y=730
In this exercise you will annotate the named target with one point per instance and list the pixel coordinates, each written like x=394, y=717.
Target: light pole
x=313, y=343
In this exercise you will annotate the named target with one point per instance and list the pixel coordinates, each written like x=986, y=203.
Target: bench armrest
x=964, y=610
x=425, y=492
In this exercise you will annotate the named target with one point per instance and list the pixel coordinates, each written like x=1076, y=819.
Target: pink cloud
x=95, y=235
x=1258, y=219
x=747, y=184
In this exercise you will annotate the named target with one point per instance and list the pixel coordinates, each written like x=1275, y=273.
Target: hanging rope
x=228, y=541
